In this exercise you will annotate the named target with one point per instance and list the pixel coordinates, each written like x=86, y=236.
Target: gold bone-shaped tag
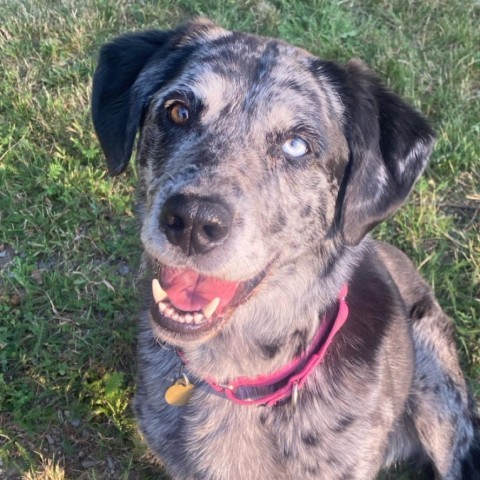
x=179, y=393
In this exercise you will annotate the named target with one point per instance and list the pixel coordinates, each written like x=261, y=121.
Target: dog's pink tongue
x=189, y=291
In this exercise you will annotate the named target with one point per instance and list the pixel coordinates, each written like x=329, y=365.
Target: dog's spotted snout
x=195, y=224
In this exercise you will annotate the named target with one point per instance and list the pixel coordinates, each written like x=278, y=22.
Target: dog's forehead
x=250, y=55
x=253, y=73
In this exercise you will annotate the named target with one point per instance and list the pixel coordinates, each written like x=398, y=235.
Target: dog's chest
x=199, y=439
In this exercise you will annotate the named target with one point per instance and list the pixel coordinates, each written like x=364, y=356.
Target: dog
x=278, y=339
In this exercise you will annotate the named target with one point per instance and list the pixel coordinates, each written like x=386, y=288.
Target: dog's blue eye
x=295, y=147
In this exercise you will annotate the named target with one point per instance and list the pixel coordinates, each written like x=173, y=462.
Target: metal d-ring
x=294, y=395
x=182, y=374
x=187, y=381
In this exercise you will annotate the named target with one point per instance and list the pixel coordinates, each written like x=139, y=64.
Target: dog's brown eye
x=179, y=113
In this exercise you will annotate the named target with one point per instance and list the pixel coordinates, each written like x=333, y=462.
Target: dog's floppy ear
x=130, y=70
x=389, y=142
x=116, y=115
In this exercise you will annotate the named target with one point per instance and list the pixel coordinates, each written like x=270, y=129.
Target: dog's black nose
x=195, y=224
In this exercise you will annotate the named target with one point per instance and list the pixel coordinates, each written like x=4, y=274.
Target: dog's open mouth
x=188, y=302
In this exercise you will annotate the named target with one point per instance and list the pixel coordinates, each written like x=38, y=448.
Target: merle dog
x=278, y=340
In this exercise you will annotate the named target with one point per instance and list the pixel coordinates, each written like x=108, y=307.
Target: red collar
x=289, y=379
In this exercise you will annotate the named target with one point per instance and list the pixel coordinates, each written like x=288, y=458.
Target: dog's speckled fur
x=390, y=388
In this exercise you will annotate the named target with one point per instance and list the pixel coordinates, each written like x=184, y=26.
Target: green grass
x=69, y=252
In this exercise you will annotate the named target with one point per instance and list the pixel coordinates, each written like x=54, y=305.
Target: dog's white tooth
x=209, y=310
x=162, y=306
x=198, y=318
x=177, y=317
x=169, y=312
x=159, y=293
x=189, y=318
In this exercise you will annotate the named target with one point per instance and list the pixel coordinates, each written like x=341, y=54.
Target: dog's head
x=252, y=155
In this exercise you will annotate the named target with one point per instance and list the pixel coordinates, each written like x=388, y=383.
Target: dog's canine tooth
x=209, y=310
x=159, y=293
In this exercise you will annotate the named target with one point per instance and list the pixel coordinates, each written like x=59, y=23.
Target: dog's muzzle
x=186, y=301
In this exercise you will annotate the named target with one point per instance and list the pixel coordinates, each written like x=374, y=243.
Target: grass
x=68, y=246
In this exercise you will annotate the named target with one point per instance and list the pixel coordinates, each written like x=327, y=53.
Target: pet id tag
x=180, y=392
